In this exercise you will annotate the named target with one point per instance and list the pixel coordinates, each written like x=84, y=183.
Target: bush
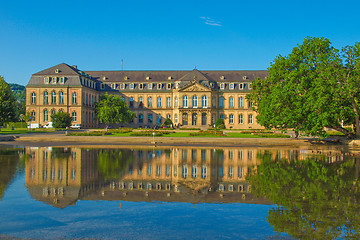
x=61, y=120
x=208, y=133
x=220, y=123
x=95, y=133
x=120, y=130
x=149, y=133
x=167, y=122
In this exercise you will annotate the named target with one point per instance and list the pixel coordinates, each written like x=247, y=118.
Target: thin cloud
x=211, y=22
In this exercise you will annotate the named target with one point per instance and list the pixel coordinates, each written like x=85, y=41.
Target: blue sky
x=164, y=35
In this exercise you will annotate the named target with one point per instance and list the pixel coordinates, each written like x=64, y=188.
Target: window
x=46, y=97
x=222, y=116
x=221, y=102
x=241, y=155
x=231, y=86
x=150, y=86
x=74, y=98
x=61, y=97
x=141, y=102
x=53, y=112
x=168, y=116
x=158, y=119
x=141, y=118
x=222, y=86
x=168, y=102
x=184, y=171
x=231, y=119
x=46, y=80
x=250, y=155
x=250, y=104
x=204, y=101
x=241, y=119
x=33, y=115
x=46, y=115
x=53, y=97
x=250, y=118
x=176, y=118
x=150, y=118
x=62, y=80
x=158, y=170
x=231, y=172
x=33, y=98
x=131, y=86
x=195, y=101
x=54, y=80
x=150, y=102
x=141, y=86
x=241, y=86
x=113, y=85
x=231, y=102
x=168, y=86
x=102, y=86
x=213, y=102
x=185, y=101
x=131, y=102
x=241, y=102
x=203, y=172
x=168, y=170
x=74, y=116
x=159, y=86
x=176, y=102
x=194, y=171
x=122, y=86
x=158, y=102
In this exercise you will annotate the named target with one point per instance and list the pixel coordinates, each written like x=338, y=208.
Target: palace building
x=189, y=98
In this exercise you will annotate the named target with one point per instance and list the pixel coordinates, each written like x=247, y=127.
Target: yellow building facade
x=189, y=98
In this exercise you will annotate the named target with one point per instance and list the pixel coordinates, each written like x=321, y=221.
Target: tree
x=112, y=109
x=167, y=122
x=219, y=123
x=308, y=90
x=61, y=120
x=7, y=103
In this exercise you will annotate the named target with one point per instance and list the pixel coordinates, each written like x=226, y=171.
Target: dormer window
x=212, y=85
x=169, y=86
x=56, y=70
x=113, y=86
x=122, y=86
x=222, y=86
x=159, y=85
x=103, y=78
x=102, y=86
x=170, y=77
x=222, y=77
x=150, y=86
x=46, y=80
x=147, y=78
x=241, y=86
x=131, y=86
x=141, y=86
x=62, y=80
x=231, y=86
x=244, y=77
x=126, y=78
x=54, y=80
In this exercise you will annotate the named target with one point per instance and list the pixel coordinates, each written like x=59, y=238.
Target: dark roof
x=63, y=69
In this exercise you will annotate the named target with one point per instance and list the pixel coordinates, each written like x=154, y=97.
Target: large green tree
x=310, y=89
x=61, y=120
x=112, y=109
x=7, y=103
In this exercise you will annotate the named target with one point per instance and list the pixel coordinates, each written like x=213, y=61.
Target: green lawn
x=6, y=131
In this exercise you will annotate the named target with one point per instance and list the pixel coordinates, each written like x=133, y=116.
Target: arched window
x=221, y=102
x=46, y=97
x=74, y=116
x=53, y=97
x=131, y=102
x=158, y=119
x=150, y=102
x=176, y=102
x=250, y=104
x=61, y=110
x=61, y=97
x=250, y=119
x=46, y=115
x=195, y=101
x=74, y=98
x=33, y=98
x=204, y=101
x=158, y=102
x=231, y=102
x=141, y=118
x=241, y=102
x=185, y=101
x=33, y=115
x=53, y=112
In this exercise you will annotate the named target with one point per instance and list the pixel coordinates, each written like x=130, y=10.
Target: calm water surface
x=179, y=193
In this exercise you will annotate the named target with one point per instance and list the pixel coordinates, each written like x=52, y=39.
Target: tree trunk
x=357, y=128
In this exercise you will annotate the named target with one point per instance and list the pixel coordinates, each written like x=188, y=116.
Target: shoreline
x=60, y=139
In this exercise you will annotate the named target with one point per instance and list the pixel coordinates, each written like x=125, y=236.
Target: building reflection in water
x=61, y=176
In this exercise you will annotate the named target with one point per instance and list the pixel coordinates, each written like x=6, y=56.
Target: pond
x=179, y=193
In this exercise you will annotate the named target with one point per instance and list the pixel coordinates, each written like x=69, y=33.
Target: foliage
x=19, y=92
x=167, y=122
x=112, y=109
x=61, y=120
x=310, y=89
x=220, y=123
x=318, y=199
x=112, y=163
x=149, y=133
x=209, y=133
x=7, y=103
x=60, y=153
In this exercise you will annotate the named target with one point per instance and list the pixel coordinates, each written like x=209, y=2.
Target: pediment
x=195, y=87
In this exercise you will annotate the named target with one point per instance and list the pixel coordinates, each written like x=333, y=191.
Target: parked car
x=48, y=125
x=33, y=125
x=75, y=126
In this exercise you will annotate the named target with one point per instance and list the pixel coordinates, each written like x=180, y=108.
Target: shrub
x=220, y=123
x=149, y=133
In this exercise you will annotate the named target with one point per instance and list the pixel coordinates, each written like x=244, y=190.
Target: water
x=179, y=193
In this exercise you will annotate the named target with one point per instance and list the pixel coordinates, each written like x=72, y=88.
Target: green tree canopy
x=112, y=109
x=310, y=89
x=61, y=120
x=315, y=199
x=7, y=103
x=113, y=163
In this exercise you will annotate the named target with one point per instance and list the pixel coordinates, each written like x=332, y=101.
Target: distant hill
x=19, y=91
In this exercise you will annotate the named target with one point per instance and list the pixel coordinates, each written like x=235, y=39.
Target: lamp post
x=30, y=123
x=55, y=123
x=153, y=137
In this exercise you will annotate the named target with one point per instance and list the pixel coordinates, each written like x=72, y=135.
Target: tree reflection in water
x=9, y=163
x=113, y=163
x=316, y=199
